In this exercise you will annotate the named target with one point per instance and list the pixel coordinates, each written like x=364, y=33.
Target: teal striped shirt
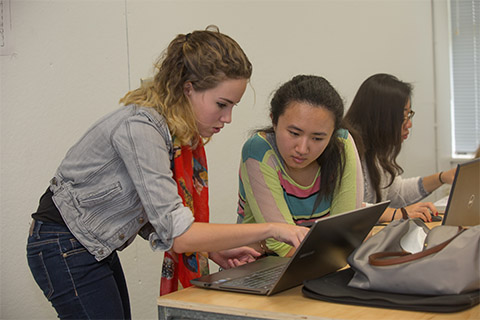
x=268, y=194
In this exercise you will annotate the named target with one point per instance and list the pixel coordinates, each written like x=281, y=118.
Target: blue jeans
x=77, y=285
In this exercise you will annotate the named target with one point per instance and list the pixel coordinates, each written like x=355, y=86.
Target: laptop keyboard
x=260, y=279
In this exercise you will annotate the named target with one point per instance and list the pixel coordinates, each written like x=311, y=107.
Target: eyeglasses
x=409, y=116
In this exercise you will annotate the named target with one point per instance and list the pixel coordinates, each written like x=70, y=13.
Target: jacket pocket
x=99, y=196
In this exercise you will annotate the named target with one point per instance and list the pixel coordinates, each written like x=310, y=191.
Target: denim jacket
x=116, y=179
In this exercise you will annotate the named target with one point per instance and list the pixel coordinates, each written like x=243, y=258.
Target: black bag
x=334, y=288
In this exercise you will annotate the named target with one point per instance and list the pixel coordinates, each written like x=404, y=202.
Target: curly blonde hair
x=205, y=58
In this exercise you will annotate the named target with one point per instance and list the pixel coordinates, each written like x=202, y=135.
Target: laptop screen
x=463, y=207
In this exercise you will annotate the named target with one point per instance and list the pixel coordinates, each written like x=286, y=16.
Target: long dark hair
x=317, y=92
x=375, y=121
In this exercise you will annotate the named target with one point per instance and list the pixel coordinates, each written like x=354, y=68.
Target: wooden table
x=199, y=303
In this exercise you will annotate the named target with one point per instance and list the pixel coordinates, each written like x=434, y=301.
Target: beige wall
x=70, y=62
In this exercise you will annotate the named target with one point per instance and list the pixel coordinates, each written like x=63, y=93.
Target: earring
x=187, y=88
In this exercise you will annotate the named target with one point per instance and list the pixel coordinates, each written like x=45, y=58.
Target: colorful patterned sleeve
x=349, y=195
x=260, y=190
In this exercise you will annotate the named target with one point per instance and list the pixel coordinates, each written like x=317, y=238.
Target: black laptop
x=463, y=206
x=324, y=249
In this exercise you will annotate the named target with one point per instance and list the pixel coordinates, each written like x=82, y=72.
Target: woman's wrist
x=263, y=247
x=440, y=177
x=270, y=232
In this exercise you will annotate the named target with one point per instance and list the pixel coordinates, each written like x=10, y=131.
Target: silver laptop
x=463, y=207
x=324, y=249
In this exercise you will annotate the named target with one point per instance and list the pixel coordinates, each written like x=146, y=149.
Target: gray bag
x=445, y=261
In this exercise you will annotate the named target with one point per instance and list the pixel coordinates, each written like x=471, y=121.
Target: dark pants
x=77, y=285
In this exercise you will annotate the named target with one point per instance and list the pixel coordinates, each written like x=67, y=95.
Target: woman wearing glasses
x=380, y=119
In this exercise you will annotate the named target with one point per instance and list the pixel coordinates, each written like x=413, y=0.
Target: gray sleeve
x=401, y=193
x=143, y=148
x=404, y=192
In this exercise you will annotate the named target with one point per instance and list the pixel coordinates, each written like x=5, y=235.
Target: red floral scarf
x=191, y=174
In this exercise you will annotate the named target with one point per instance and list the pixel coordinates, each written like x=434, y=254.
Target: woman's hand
x=235, y=257
x=292, y=235
x=202, y=236
x=422, y=210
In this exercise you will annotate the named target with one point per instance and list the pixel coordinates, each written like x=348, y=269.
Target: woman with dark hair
x=379, y=119
x=304, y=166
